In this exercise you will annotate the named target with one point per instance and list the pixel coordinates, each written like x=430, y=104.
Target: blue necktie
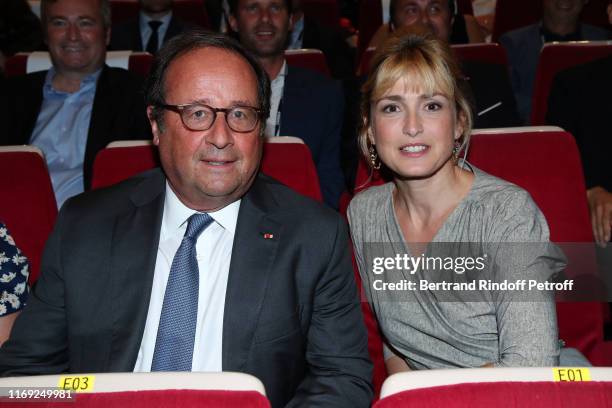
x=177, y=323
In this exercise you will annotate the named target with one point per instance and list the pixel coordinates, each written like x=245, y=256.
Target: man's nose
x=219, y=134
x=74, y=32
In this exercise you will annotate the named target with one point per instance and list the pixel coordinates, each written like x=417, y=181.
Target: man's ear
x=233, y=22
x=154, y=126
x=108, y=36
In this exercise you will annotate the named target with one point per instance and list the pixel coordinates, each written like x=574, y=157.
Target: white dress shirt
x=214, y=251
x=277, y=86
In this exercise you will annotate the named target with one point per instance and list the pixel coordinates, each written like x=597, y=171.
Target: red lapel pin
x=267, y=235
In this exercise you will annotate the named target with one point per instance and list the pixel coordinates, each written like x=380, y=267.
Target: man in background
x=559, y=23
x=78, y=106
x=154, y=25
x=304, y=103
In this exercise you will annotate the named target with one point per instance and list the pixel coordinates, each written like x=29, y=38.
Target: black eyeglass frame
x=180, y=108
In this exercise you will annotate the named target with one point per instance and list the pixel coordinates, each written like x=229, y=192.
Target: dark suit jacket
x=312, y=109
x=292, y=315
x=580, y=102
x=523, y=46
x=126, y=35
x=340, y=58
x=488, y=85
x=118, y=111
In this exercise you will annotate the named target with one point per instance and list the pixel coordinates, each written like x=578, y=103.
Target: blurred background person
x=560, y=22
x=442, y=16
x=154, y=25
x=19, y=30
x=303, y=103
x=78, y=106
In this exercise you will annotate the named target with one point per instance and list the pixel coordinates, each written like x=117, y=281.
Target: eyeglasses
x=241, y=119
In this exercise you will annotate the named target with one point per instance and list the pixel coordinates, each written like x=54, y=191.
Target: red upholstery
x=156, y=399
x=29, y=209
x=325, y=12
x=192, y=11
x=370, y=18
x=491, y=53
x=138, y=63
x=505, y=394
x=116, y=164
x=547, y=165
x=308, y=58
x=289, y=163
x=555, y=58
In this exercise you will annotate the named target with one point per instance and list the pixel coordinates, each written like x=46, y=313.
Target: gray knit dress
x=453, y=328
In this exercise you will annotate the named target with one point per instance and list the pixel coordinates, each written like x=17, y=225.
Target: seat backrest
x=286, y=159
x=491, y=53
x=308, y=58
x=556, y=57
x=412, y=380
x=474, y=387
x=192, y=11
x=26, y=62
x=185, y=389
x=29, y=208
x=545, y=162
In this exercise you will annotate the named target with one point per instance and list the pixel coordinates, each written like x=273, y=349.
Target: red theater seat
x=491, y=53
x=308, y=58
x=28, y=208
x=287, y=159
x=556, y=57
x=544, y=161
x=149, y=390
x=23, y=63
x=507, y=387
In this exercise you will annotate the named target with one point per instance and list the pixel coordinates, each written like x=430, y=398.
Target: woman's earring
x=456, y=150
x=374, y=158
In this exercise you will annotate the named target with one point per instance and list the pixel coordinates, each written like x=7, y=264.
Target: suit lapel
x=253, y=253
x=133, y=255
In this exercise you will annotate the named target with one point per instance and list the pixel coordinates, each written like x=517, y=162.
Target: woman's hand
x=396, y=365
x=600, y=206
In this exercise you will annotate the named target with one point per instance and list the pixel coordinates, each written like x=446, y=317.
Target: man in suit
x=79, y=105
x=154, y=25
x=304, y=103
x=523, y=45
x=206, y=265
x=580, y=103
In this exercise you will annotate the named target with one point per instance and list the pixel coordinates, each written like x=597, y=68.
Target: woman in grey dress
x=416, y=122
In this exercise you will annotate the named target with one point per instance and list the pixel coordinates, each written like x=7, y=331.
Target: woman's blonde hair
x=425, y=64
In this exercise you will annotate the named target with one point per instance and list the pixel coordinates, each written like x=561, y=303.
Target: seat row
x=565, y=387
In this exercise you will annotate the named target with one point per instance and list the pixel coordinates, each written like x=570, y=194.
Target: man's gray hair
x=105, y=9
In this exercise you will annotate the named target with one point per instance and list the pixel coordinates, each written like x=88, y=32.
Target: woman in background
x=416, y=122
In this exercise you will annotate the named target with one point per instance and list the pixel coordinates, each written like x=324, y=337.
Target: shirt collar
x=281, y=74
x=85, y=82
x=144, y=20
x=176, y=213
